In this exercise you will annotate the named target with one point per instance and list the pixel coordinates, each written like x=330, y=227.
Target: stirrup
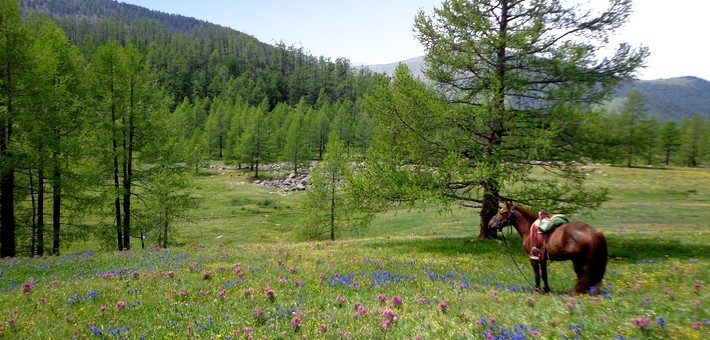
x=535, y=253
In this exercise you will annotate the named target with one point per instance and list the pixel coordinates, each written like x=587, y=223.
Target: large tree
x=513, y=81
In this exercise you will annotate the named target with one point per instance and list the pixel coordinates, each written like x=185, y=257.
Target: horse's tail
x=597, y=267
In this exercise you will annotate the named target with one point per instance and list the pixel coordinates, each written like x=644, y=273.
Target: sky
x=381, y=31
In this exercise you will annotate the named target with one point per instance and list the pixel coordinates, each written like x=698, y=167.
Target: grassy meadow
x=239, y=273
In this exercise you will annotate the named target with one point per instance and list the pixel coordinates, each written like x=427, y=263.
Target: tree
x=669, y=140
x=57, y=119
x=296, y=150
x=256, y=140
x=332, y=209
x=513, y=79
x=693, y=146
x=633, y=112
x=14, y=61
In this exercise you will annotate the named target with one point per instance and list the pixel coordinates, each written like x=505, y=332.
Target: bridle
x=506, y=222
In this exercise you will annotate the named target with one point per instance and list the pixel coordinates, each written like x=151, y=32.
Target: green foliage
x=333, y=210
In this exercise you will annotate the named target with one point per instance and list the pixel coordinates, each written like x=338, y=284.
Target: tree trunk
x=7, y=189
x=39, y=250
x=489, y=209
x=332, y=207
x=56, y=206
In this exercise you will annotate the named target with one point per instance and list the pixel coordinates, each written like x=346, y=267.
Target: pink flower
x=169, y=274
x=323, y=327
x=120, y=304
x=247, y=330
x=696, y=324
x=422, y=300
x=221, y=292
x=382, y=297
x=529, y=300
x=696, y=303
x=397, y=300
x=270, y=294
x=443, y=305
x=340, y=299
x=27, y=287
x=642, y=322
x=669, y=292
x=535, y=332
x=202, y=292
x=206, y=275
x=295, y=323
x=697, y=285
x=102, y=309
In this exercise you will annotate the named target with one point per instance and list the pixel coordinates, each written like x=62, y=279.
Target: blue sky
x=380, y=32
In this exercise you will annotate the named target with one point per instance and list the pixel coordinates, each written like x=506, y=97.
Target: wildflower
x=696, y=303
x=669, y=292
x=529, y=300
x=492, y=320
x=397, y=300
x=102, y=309
x=422, y=300
x=382, y=297
x=295, y=323
x=169, y=274
x=642, y=322
x=696, y=324
x=120, y=304
x=389, y=314
x=443, y=306
x=42, y=300
x=340, y=299
x=282, y=280
x=661, y=322
x=202, y=292
x=258, y=313
x=247, y=329
x=675, y=268
x=535, y=332
x=27, y=287
x=323, y=327
x=183, y=293
x=569, y=303
x=247, y=292
x=221, y=292
x=697, y=286
x=206, y=275
x=270, y=294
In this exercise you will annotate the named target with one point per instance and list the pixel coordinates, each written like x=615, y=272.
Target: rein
x=505, y=223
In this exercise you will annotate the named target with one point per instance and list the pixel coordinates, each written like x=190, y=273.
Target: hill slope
x=667, y=99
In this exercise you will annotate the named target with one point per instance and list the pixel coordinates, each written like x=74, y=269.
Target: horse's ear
x=507, y=203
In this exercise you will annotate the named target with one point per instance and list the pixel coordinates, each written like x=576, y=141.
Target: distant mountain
x=670, y=99
x=414, y=64
x=667, y=99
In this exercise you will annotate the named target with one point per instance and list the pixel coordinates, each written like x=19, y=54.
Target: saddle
x=538, y=235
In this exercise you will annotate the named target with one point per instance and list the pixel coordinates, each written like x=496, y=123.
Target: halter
x=506, y=222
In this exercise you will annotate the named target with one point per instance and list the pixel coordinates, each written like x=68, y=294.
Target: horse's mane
x=527, y=213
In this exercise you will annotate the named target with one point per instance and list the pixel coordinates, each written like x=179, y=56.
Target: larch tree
x=14, y=61
x=512, y=81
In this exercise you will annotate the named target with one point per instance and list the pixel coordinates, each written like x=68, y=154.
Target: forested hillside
x=196, y=59
x=671, y=99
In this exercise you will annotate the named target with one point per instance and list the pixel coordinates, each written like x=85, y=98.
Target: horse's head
x=503, y=218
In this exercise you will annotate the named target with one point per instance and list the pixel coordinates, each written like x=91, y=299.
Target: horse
x=576, y=241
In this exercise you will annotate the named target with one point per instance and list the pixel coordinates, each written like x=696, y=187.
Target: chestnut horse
x=576, y=241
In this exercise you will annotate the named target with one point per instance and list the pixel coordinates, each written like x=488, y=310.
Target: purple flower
x=206, y=275
x=270, y=294
x=120, y=304
x=295, y=323
x=443, y=305
x=382, y=297
x=642, y=322
x=397, y=300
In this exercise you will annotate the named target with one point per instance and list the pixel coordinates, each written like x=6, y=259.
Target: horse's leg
x=543, y=268
x=582, y=285
x=536, y=269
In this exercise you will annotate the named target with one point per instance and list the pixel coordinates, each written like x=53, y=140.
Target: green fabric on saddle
x=554, y=221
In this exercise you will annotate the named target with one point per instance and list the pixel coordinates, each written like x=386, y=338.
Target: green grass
x=450, y=285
